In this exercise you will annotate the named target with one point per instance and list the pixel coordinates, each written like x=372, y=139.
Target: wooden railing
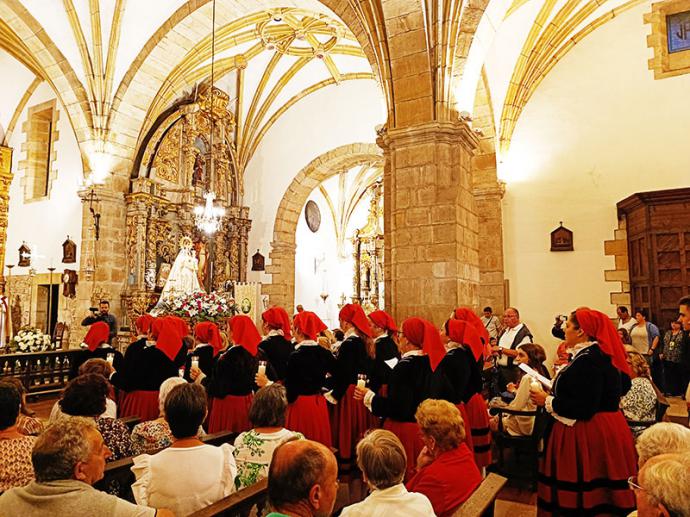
x=40, y=372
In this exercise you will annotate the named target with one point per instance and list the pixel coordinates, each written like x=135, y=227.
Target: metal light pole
x=50, y=301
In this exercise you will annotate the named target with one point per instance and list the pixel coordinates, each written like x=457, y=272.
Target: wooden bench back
x=482, y=500
x=240, y=503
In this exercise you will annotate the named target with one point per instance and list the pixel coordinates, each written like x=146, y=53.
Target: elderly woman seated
x=189, y=475
x=639, y=403
x=26, y=423
x=662, y=438
x=15, y=448
x=381, y=458
x=446, y=471
x=254, y=448
x=86, y=396
x=99, y=367
x=153, y=435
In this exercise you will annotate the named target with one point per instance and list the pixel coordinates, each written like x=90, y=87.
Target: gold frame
x=663, y=63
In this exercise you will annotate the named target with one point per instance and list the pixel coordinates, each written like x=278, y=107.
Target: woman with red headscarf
x=589, y=453
x=97, y=347
x=208, y=346
x=231, y=383
x=350, y=420
x=276, y=346
x=305, y=377
x=383, y=329
x=410, y=384
x=160, y=358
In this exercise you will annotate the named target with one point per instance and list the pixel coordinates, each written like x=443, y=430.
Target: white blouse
x=184, y=480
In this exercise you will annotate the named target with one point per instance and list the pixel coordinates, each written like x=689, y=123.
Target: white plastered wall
x=598, y=129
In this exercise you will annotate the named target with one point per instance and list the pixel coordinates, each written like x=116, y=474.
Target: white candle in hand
x=361, y=381
x=181, y=372
x=262, y=367
x=195, y=362
x=534, y=385
x=110, y=358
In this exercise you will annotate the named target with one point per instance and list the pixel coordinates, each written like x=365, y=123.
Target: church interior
x=409, y=156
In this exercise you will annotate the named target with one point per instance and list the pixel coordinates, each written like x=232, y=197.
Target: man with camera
x=101, y=313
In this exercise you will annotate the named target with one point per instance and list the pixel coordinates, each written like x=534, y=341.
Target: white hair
x=666, y=481
x=166, y=387
x=662, y=438
x=61, y=446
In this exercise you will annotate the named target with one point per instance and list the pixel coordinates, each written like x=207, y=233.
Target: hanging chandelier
x=208, y=217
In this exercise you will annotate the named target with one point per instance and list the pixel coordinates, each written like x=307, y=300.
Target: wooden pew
x=482, y=500
x=118, y=476
x=130, y=421
x=240, y=503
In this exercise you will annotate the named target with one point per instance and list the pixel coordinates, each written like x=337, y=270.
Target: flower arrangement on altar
x=199, y=306
x=30, y=339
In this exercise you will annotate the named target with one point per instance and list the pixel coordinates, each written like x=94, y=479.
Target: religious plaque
x=561, y=239
x=670, y=38
x=312, y=214
x=70, y=279
x=69, y=251
x=24, y=255
x=258, y=262
x=678, y=31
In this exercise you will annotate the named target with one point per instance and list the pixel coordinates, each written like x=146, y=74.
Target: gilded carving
x=167, y=160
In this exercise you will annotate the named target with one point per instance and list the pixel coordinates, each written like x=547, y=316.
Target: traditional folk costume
x=277, y=345
x=231, y=384
x=589, y=452
x=477, y=413
x=97, y=347
x=206, y=352
x=305, y=376
x=145, y=368
x=350, y=419
x=387, y=354
x=409, y=385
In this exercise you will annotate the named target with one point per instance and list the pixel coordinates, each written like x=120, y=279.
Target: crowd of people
x=408, y=406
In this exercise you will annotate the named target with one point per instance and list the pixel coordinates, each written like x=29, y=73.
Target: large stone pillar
x=431, y=247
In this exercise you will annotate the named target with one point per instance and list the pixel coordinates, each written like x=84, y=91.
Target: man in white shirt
x=491, y=322
x=625, y=320
x=515, y=333
x=381, y=458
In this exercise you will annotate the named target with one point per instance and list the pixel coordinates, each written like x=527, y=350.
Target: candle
x=195, y=362
x=534, y=385
x=361, y=381
x=180, y=372
x=110, y=358
x=262, y=367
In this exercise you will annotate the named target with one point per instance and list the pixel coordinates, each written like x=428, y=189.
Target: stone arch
x=282, y=268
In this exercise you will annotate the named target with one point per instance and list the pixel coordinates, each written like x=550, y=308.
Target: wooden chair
x=58, y=334
x=482, y=500
x=529, y=446
x=240, y=503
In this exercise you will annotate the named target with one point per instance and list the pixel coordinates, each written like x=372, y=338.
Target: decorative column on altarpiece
x=431, y=246
x=5, y=182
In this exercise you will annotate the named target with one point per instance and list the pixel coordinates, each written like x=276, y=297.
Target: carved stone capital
x=458, y=132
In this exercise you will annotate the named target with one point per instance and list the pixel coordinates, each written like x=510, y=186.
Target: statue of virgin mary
x=183, y=277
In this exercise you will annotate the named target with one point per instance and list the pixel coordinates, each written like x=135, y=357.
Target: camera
x=93, y=309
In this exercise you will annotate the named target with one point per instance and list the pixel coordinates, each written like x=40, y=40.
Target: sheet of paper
x=392, y=362
x=533, y=373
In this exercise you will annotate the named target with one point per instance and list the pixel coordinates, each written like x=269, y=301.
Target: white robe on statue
x=182, y=279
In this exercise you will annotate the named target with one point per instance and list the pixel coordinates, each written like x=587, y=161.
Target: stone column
x=282, y=289
x=432, y=248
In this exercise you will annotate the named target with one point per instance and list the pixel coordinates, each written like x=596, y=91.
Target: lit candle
x=262, y=367
x=361, y=381
x=110, y=358
x=180, y=372
x=195, y=362
x=534, y=385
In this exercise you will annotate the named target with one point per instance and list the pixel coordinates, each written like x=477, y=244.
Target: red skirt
x=586, y=468
x=465, y=419
x=350, y=420
x=411, y=438
x=231, y=413
x=143, y=404
x=309, y=415
x=478, y=418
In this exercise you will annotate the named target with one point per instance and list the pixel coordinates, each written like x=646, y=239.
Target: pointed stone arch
x=282, y=268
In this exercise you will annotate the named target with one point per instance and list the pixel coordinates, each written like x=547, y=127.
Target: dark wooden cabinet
x=41, y=372
x=658, y=228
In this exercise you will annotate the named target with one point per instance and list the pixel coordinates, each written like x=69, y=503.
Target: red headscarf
x=166, y=332
x=97, y=335
x=599, y=326
x=383, y=320
x=309, y=324
x=244, y=333
x=353, y=313
x=181, y=325
x=464, y=333
x=424, y=335
x=278, y=317
x=208, y=332
x=143, y=323
x=468, y=315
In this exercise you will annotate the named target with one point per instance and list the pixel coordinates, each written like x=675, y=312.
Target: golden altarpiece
x=173, y=171
x=367, y=244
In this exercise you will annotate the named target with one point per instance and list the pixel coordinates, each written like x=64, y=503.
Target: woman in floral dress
x=16, y=468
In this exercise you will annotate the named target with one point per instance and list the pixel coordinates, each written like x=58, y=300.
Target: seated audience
x=382, y=460
x=15, y=447
x=661, y=488
x=86, y=396
x=26, y=423
x=662, y=438
x=68, y=458
x=254, y=448
x=189, y=475
x=153, y=435
x=446, y=471
x=100, y=367
x=639, y=403
x=302, y=480
x=533, y=356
